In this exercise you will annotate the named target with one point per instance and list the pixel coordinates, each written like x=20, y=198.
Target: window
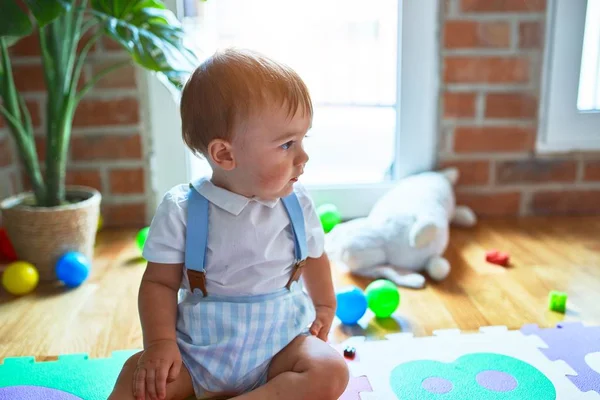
x=345, y=52
x=372, y=71
x=570, y=115
x=588, y=98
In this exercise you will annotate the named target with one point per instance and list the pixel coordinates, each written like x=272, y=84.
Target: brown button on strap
x=197, y=281
x=297, y=273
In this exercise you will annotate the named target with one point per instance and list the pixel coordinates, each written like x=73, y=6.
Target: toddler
x=222, y=303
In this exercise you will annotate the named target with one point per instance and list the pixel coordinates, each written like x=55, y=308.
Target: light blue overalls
x=227, y=342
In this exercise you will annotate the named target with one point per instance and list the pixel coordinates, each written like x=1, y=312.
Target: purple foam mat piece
x=356, y=385
x=34, y=393
x=571, y=342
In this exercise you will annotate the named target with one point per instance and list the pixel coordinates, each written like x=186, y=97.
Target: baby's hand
x=159, y=364
x=322, y=323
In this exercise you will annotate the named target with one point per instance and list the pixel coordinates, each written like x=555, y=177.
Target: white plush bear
x=405, y=233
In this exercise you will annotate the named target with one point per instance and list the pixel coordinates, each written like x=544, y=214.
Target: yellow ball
x=20, y=278
x=100, y=222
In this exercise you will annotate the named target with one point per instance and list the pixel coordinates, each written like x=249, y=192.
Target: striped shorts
x=227, y=342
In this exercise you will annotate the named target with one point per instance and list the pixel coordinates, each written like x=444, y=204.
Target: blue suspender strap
x=294, y=210
x=196, y=240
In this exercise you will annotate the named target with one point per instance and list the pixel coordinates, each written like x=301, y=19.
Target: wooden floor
x=559, y=253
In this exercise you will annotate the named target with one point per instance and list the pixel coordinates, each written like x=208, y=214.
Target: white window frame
x=562, y=127
x=417, y=116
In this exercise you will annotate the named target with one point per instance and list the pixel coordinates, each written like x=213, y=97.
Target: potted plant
x=53, y=218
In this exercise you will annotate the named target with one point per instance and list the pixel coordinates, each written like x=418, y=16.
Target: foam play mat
x=70, y=377
x=496, y=363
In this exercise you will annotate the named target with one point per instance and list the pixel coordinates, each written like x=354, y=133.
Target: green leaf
x=46, y=11
x=152, y=35
x=14, y=22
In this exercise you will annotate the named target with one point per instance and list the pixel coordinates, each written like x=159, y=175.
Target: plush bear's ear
x=422, y=233
x=451, y=174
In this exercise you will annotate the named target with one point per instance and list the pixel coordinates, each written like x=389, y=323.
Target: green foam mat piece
x=77, y=374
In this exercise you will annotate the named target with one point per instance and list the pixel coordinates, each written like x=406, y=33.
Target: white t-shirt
x=250, y=241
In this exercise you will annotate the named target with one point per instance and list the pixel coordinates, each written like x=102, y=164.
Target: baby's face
x=269, y=152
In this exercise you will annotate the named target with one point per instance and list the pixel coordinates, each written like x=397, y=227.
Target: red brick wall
x=492, y=52
x=107, y=150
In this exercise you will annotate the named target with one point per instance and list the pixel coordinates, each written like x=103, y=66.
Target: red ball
x=7, y=250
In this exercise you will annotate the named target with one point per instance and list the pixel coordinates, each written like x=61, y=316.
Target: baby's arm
x=319, y=284
x=157, y=302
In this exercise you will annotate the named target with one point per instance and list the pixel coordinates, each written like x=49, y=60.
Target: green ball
x=329, y=216
x=383, y=297
x=142, y=235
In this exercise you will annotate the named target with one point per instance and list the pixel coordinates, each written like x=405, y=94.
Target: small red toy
x=497, y=257
x=349, y=352
x=7, y=251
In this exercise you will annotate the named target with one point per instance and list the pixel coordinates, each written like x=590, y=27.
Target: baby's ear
x=220, y=153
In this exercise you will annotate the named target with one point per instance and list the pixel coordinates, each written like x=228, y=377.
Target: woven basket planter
x=40, y=235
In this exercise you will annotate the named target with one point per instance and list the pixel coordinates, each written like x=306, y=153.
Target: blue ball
x=72, y=269
x=351, y=305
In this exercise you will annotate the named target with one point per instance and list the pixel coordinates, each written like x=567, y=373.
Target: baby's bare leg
x=179, y=389
x=307, y=368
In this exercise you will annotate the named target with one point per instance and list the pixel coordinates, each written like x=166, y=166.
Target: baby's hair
x=229, y=87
